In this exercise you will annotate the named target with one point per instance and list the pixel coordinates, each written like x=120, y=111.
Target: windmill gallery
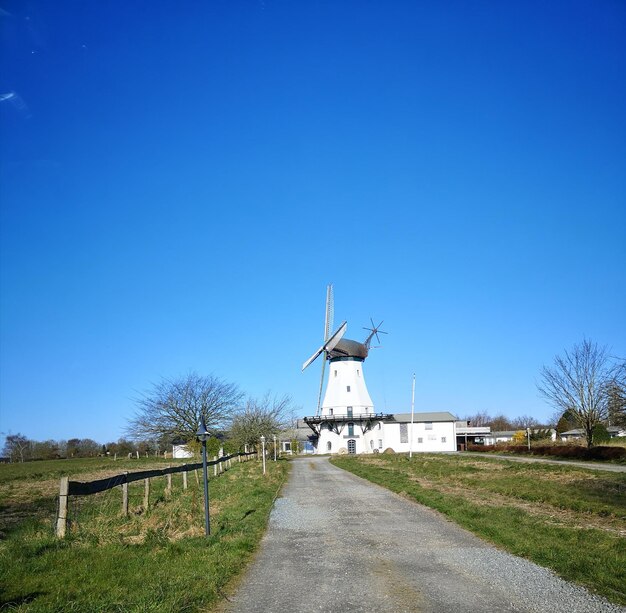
x=346, y=421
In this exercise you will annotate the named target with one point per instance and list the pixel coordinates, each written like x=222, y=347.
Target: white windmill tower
x=346, y=414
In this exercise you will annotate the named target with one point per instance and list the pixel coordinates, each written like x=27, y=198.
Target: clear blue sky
x=180, y=181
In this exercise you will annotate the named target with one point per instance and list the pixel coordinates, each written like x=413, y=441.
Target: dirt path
x=338, y=543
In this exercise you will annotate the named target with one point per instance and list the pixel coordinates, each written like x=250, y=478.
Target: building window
x=358, y=372
x=380, y=425
x=428, y=425
x=330, y=411
x=432, y=437
x=329, y=446
x=404, y=433
x=350, y=429
x=335, y=373
x=348, y=388
x=443, y=439
x=349, y=411
x=352, y=446
x=372, y=444
x=420, y=440
x=286, y=446
x=380, y=443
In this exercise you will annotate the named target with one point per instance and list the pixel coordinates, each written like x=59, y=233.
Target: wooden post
x=168, y=489
x=115, y=457
x=62, y=518
x=238, y=459
x=215, y=466
x=146, y=494
x=125, y=497
x=195, y=472
x=185, y=478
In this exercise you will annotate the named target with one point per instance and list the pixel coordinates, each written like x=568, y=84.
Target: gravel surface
x=339, y=543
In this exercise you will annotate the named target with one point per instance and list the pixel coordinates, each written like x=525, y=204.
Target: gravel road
x=338, y=543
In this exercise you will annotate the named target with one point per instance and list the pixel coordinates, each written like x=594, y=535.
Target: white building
x=346, y=421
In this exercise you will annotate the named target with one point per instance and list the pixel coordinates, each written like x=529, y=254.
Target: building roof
x=581, y=432
x=421, y=417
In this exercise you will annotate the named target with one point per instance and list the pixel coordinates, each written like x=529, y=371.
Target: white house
x=376, y=432
x=577, y=433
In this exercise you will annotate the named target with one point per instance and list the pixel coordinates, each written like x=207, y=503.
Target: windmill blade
x=319, y=396
x=329, y=345
x=330, y=311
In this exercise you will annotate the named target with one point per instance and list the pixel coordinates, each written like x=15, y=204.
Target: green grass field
x=157, y=560
x=568, y=519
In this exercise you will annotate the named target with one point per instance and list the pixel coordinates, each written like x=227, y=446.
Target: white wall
x=181, y=451
x=341, y=375
x=388, y=436
x=440, y=436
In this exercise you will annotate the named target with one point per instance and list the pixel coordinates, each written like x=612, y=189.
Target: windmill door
x=351, y=446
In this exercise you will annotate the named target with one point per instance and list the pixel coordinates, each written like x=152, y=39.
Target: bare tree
x=17, y=447
x=173, y=407
x=267, y=416
x=523, y=422
x=579, y=382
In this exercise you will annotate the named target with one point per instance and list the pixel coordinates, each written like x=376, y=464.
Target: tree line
x=169, y=413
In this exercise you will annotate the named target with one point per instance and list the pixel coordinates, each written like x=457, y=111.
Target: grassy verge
x=154, y=560
x=565, y=518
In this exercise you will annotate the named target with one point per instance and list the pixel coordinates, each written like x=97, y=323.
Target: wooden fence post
x=62, y=518
x=168, y=489
x=125, y=497
x=195, y=472
x=215, y=466
x=185, y=478
x=146, y=494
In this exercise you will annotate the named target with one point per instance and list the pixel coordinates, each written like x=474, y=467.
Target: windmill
x=346, y=392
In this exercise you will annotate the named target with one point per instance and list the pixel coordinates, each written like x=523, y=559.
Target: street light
x=263, y=446
x=274, y=448
x=203, y=435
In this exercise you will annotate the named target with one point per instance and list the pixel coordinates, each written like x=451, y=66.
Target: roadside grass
x=568, y=519
x=156, y=560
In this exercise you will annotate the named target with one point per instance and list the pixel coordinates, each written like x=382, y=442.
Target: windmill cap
x=347, y=348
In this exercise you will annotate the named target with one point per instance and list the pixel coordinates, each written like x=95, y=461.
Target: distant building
x=576, y=433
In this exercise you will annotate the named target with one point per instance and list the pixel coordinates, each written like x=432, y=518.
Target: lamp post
x=203, y=435
x=263, y=447
x=274, y=448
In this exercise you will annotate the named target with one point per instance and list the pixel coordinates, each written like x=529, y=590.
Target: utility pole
x=412, y=414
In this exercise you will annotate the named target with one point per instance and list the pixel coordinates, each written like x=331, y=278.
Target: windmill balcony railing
x=345, y=417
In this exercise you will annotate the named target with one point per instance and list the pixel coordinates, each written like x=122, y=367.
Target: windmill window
x=335, y=373
x=350, y=429
x=329, y=446
x=404, y=433
x=358, y=372
x=380, y=443
x=443, y=439
x=348, y=387
x=380, y=426
x=372, y=444
x=330, y=411
x=420, y=440
x=349, y=409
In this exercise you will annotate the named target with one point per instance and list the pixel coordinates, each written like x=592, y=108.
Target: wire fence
x=136, y=498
